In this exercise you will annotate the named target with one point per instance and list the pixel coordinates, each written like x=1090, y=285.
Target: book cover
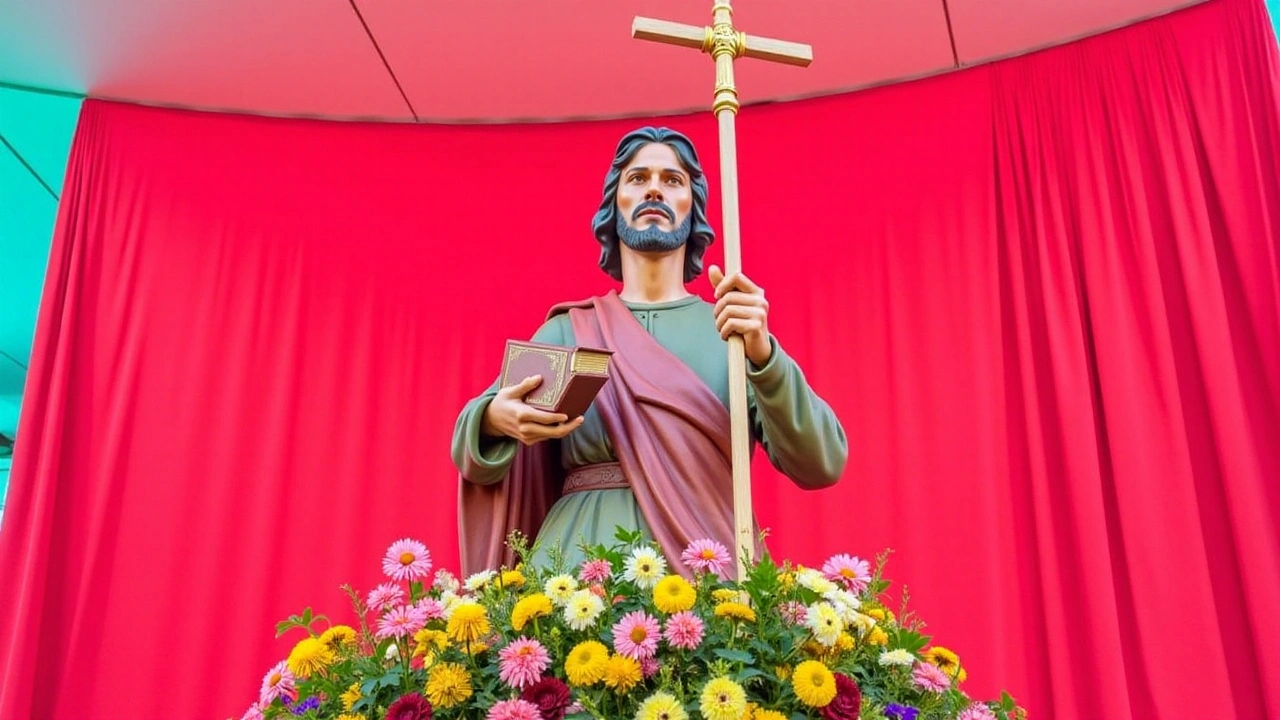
x=571, y=376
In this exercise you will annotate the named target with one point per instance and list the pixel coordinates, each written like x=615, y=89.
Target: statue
x=652, y=453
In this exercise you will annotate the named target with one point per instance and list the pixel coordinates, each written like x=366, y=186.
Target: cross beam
x=725, y=44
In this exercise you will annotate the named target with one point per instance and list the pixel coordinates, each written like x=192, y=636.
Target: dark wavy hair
x=604, y=224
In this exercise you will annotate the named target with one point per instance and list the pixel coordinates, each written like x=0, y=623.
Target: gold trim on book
x=547, y=392
x=590, y=362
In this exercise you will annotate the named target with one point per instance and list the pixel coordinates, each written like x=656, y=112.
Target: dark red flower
x=550, y=695
x=410, y=707
x=848, y=700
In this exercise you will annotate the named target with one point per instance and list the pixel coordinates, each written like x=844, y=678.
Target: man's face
x=654, y=201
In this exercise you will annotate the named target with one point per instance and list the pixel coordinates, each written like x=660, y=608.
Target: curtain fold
x=1042, y=295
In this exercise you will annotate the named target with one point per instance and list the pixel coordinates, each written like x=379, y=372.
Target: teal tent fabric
x=36, y=130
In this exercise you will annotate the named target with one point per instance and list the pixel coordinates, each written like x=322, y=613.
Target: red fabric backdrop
x=1042, y=295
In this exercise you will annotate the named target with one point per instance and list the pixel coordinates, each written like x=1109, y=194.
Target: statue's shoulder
x=564, y=307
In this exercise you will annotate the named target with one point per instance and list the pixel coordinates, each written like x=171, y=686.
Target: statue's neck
x=653, y=278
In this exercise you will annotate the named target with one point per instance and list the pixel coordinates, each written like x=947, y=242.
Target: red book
x=571, y=376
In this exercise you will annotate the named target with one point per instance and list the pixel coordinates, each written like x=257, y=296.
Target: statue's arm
x=797, y=429
x=485, y=460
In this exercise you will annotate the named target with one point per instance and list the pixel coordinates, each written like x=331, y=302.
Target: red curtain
x=1042, y=295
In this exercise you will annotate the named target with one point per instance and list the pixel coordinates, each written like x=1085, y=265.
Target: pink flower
x=684, y=631
x=384, y=596
x=277, y=682
x=406, y=560
x=514, y=710
x=431, y=609
x=595, y=571
x=523, y=662
x=253, y=713
x=649, y=667
x=852, y=572
x=403, y=621
x=706, y=556
x=794, y=612
x=930, y=677
x=636, y=635
x=976, y=711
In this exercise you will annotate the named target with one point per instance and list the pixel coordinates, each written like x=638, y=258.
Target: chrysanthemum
x=852, y=572
x=724, y=595
x=595, y=571
x=736, y=611
x=403, y=621
x=511, y=579
x=768, y=715
x=706, y=556
x=513, y=710
x=636, y=635
x=947, y=661
x=278, y=682
x=929, y=677
x=339, y=636
x=427, y=642
x=410, y=706
x=585, y=663
x=674, y=594
x=448, y=684
x=384, y=596
x=899, y=657
x=351, y=696
x=644, y=567
x=406, y=560
x=308, y=657
x=878, y=636
x=661, y=705
x=468, y=623
x=814, y=683
x=815, y=581
x=529, y=607
x=560, y=588
x=446, y=580
x=649, y=667
x=254, y=712
x=431, y=608
x=825, y=623
x=621, y=673
x=684, y=631
x=723, y=699
x=583, y=609
x=551, y=696
x=522, y=662
x=477, y=581
x=794, y=612
x=846, y=605
x=976, y=711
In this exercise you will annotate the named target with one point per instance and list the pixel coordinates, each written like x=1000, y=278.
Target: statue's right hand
x=508, y=414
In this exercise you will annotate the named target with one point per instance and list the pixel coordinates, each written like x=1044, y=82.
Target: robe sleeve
x=484, y=460
x=797, y=429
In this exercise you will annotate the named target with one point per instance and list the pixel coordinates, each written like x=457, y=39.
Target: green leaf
x=1006, y=702
x=739, y=656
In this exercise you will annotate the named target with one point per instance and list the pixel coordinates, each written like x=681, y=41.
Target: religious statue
x=652, y=453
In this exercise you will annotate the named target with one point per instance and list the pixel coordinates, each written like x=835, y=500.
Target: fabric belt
x=601, y=476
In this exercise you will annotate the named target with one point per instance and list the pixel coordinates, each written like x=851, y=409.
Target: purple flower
x=894, y=711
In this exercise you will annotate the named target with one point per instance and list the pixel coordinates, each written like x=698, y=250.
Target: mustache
x=654, y=205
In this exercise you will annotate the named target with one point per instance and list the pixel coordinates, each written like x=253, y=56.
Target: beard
x=653, y=239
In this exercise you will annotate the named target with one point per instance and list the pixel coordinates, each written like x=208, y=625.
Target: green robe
x=798, y=430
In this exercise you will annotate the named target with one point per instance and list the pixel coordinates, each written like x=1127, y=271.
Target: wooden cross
x=725, y=44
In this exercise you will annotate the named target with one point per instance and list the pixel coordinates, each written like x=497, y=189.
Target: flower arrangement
x=621, y=636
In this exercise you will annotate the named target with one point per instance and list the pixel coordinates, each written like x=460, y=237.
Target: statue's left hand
x=742, y=310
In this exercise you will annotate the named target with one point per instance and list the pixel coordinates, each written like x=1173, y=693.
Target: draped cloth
x=670, y=433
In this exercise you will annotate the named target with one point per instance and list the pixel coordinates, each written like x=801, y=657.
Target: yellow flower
x=350, y=716
x=448, y=684
x=674, y=594
x=845, y=642
x=947, y=661
x=723, y=699
x=877, y=613
x=814, y=684
x=351, y=696
x=735, y=611
x=723, y=595
x=586, y=663
x=560, y=588
x=782, y=671
x=425, y=638
x=787, y=580
x=878, y=636
x=661, y=706
x=511, y=579
x=308, y=657
x=529, y=607
x=768, y=715
x=339, y=636
x=468, y=623
x=621, y=673
x=825, y=623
